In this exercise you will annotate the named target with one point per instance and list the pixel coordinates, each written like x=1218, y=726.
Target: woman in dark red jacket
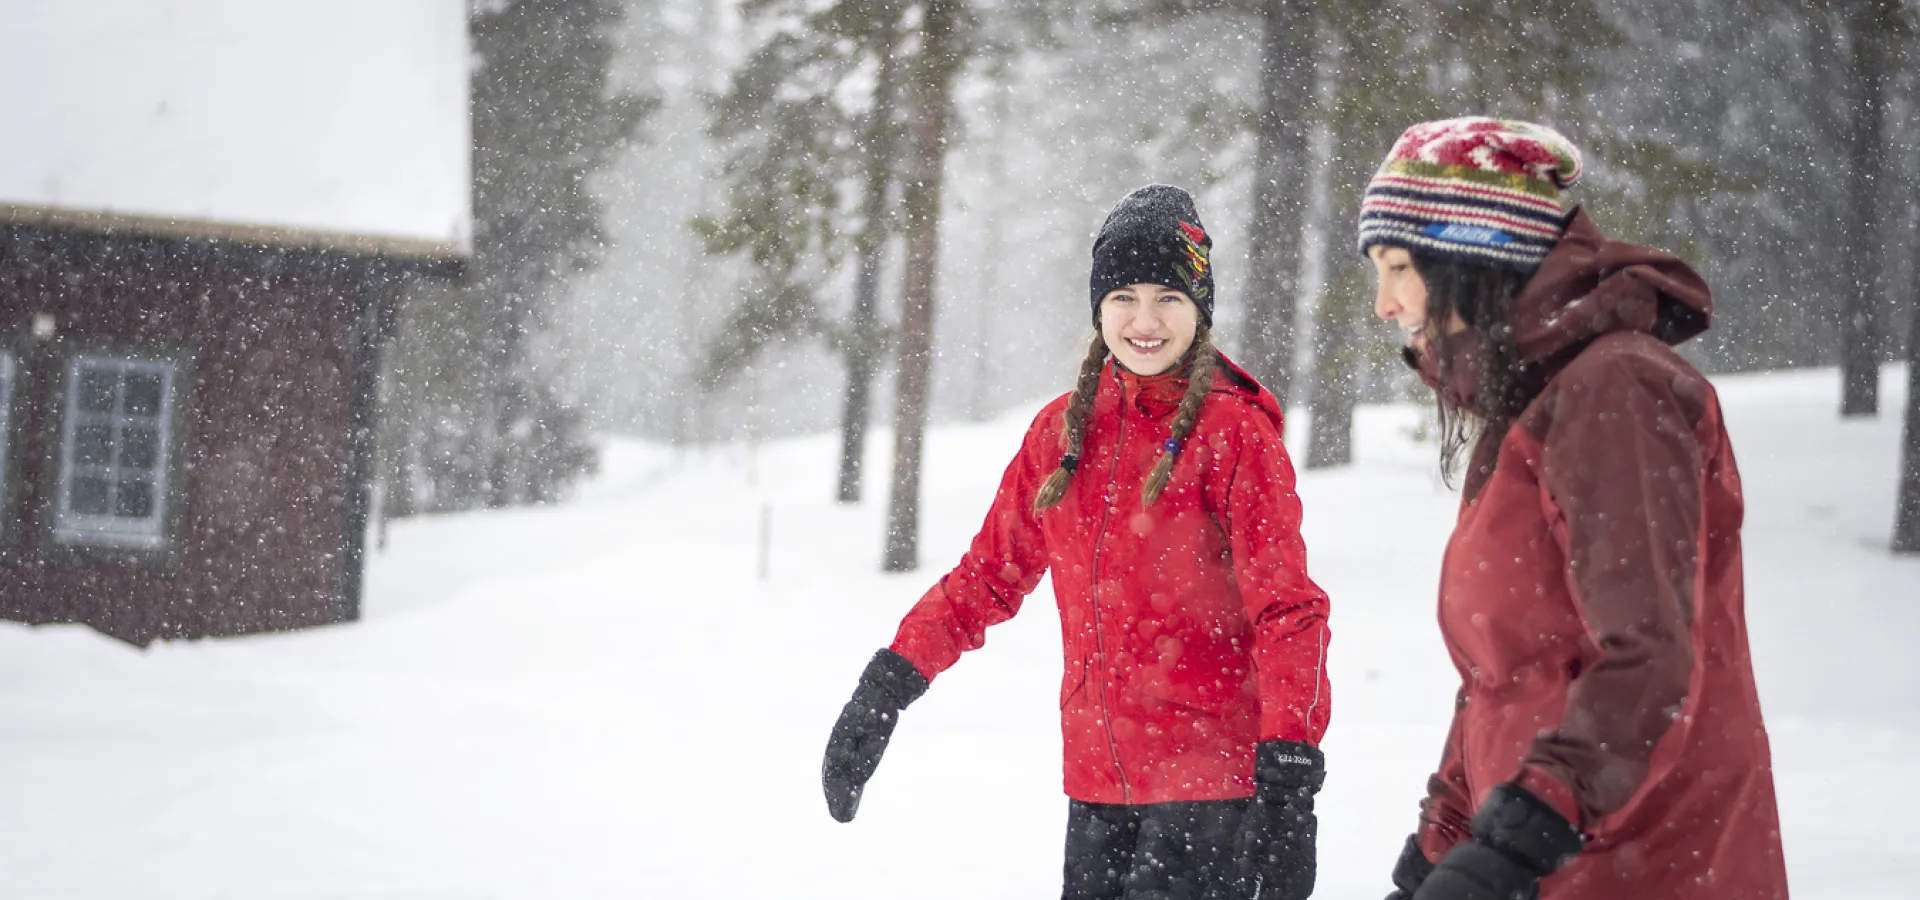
x=1161, y=499
x=1607, y=741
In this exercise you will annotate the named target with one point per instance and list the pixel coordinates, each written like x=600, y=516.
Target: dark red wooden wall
x=270, y=338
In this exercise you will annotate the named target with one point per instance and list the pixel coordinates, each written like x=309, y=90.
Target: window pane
x=90, y=495
x=139, y=447
x=113, y=466
x=93, y=444
x=96, y=389
x=143, y=394
x=134, y=499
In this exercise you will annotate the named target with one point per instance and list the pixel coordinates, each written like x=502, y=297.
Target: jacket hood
x=1591, y=285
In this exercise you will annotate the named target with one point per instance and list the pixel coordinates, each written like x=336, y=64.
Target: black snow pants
x=1155, y=851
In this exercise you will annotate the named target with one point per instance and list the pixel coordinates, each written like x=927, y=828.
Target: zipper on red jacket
x=1110, y=498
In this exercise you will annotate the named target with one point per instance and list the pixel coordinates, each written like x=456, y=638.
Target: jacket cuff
x=895, y=676
x=1289, y=765
x=1413, y=866
x=1556, y=794
x=1434, y=842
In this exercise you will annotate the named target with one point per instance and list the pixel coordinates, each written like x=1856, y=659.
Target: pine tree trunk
x=1344, y=295
x=1906, y=528
x=1279, y=192
x=934, y=69
x=1867, y=176
x=1336, y=369
x=864, y=350
x=980, y=405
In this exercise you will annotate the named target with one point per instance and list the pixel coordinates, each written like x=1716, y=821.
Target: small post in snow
x=766, y=537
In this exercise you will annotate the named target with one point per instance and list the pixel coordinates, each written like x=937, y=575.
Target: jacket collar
x=1155, y=395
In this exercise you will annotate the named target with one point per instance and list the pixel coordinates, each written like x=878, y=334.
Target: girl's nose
x=1146, y=317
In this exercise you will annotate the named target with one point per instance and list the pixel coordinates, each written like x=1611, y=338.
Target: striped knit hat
x=1478, y=188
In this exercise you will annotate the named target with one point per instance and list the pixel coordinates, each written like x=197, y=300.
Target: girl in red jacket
x=1607, y=740
x=1159, y=496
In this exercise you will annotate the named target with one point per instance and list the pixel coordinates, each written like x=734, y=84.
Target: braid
x=1074, y=419
x=1199, y=383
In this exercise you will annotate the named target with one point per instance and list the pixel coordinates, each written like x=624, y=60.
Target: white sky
x=343, y=116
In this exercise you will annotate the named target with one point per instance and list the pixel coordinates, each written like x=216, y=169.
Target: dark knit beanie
x=1154, y=236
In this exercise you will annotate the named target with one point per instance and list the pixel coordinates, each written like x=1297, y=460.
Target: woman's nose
x=1383, y=305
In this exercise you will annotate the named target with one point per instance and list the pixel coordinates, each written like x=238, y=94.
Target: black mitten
x=1410, y=870
x=1276, y=843
x=1517, y=840
x=866, y=723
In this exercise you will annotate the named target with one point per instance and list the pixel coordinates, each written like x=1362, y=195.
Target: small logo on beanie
x=1467, y=234
x=1196, y=270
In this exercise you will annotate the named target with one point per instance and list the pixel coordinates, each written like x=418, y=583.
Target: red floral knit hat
x=1484, y=189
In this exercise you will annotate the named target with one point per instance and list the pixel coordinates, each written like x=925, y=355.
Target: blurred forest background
x=708, y=221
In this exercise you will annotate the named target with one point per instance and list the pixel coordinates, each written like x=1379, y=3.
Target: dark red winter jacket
x=1191, y=629
x=1591, y=596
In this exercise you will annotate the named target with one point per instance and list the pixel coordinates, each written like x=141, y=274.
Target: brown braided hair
x=1199, y=383
x=1074, y=419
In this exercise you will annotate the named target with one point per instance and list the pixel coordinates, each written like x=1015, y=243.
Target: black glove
x=866, y=723
x=1410, y=870
x=1275, y=845
x=1517, y=840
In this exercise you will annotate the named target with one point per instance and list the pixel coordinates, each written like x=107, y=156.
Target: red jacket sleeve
x=1005, y=562
x=1622, y=464
x=1287, y=610
x=1448, y=807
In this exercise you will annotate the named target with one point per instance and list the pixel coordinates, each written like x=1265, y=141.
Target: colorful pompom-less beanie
x=1487, y=190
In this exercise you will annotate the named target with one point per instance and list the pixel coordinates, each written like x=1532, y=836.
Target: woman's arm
x=1623, y=465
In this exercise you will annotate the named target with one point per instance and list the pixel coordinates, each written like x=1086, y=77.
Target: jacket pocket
x=1072, y=680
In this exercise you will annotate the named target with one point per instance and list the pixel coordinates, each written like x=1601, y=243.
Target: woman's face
x=1149, y=327
x=1402, y=297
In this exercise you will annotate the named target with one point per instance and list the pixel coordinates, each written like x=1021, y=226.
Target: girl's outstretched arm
x=1005, y=562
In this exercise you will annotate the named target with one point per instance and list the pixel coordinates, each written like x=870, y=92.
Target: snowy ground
x=603, y=699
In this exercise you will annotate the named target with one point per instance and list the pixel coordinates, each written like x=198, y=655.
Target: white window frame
x=149, y=532
x=9, y=378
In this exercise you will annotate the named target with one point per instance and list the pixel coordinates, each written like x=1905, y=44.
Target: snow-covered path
x=603, y=699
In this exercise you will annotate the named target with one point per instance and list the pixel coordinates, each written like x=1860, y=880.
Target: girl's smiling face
x=1149, y=327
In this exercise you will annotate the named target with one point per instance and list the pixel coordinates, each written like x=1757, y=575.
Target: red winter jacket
x=1191, y=629
x=1591, y=597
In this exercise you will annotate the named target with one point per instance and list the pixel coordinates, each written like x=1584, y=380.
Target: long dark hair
x=1483, y=296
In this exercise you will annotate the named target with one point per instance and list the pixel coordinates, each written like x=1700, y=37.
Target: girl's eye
x=1171, y=298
